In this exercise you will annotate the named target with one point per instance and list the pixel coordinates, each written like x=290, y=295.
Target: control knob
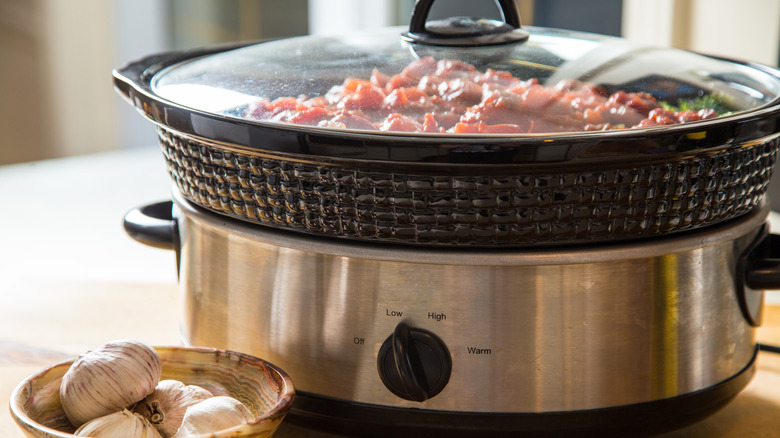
x=413, y=363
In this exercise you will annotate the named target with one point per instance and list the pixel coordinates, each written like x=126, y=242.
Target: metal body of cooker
x=564, y=330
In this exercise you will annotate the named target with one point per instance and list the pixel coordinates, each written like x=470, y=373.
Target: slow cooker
x=468, y=226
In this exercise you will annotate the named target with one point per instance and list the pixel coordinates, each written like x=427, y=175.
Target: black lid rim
x=134, y=83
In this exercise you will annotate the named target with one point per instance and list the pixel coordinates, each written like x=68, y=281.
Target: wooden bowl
x=263, y=388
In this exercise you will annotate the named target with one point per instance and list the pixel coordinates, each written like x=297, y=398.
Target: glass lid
x=550, y=81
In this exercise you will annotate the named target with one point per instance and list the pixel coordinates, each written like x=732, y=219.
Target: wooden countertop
x=70, y=279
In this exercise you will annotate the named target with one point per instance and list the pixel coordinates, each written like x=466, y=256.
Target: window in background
x=130, y=43
x=196, y=23
x=23, y=83
x=597, y=16
x=339, y=16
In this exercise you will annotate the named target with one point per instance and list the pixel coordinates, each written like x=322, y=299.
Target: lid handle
x=465, y=31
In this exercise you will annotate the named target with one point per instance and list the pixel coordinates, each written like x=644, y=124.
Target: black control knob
x=414, y=363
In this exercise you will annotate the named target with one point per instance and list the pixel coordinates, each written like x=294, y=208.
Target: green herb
x=718, y=102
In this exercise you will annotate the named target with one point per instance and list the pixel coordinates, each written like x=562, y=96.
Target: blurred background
x=57, y=55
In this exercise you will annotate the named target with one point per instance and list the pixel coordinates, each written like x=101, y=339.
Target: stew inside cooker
x=454, y=97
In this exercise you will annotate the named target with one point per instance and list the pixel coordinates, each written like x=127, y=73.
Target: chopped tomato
x=407, y=100
x=503, y=78
x=352, y=84
x=351, y=120
x=693, y=116
x=592, y=117
x=446, y=119
x=640, y=102
x=310, y=116
x=365, y=96
x=466, y=128
x=662, y=117
x=379, y=79
x=430, y=124
x=401, y=81
x=262, y=109
x=398, y=122
x=461, y=90
x=537, y=98
x=320, y=101
x=504, y=128
x=284, y=104
x=430, y=95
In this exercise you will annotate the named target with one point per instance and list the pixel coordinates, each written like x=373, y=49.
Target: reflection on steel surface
x=528, y=330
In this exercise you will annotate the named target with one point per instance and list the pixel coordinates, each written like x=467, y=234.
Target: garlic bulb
x=212, y=415
x=165, y=407
x=124, y=424
x=109, y=379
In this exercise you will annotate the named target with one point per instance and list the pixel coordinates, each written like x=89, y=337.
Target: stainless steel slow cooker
x=462, y=278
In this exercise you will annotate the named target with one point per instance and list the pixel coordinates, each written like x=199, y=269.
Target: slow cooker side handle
x=763, y=272
x=153, y=225
x=759, y=270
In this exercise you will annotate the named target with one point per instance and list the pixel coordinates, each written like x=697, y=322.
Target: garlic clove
x=212, y=415
x=165, y=407
x=124, y=424
x=109, y=379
